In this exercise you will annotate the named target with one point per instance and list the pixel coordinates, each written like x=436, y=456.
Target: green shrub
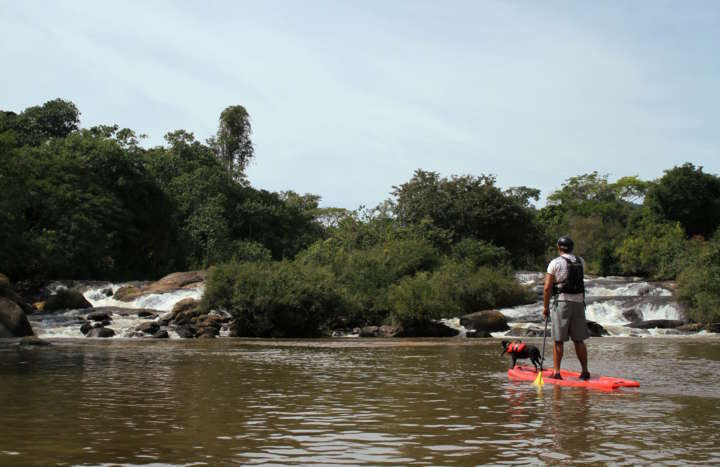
x=367, y=273
x=453, y=290
x=416, y=300
x=275, y=299
x=250, y=251
x=480, y=253
x=653, y=250
x=698, y=286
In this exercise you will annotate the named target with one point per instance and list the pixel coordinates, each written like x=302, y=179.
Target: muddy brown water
x=350, y=401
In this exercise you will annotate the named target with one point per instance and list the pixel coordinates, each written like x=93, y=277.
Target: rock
x=657, y=323
x=85, y=328
x=431, y=329
x=39, y=306
x=165, y=319
x=149, y=314
x=527, y=332
x=33, y=341
x=208, y=320
x=100, y=332
x=477, y=334
x=186, y=304
x=6, y=291
x=369, y=331
x=148, y=327
x=713, y=327
x=186, y=331
x=222, y=316
x=127, y=293
x=380, y=331
x=177, y=280
x=487, y=320
x=13, y=322
x=107, y=292
x=596, y=329
x=633, y=315
x=66, y=299
x=169, y=283
x=99, y=316
x=134, y=334
x=207, y=333
x=691, y=327
x=162, y=334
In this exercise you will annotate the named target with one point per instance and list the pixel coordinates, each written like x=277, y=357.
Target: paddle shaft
x=542, y=360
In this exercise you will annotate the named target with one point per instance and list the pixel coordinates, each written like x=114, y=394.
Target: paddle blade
x=539, y=380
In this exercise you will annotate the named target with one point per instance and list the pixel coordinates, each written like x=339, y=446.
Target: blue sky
x=348, y=98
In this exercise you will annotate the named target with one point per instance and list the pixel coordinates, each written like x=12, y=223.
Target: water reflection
x=345, y=402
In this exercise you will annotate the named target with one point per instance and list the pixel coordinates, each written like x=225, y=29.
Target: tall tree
x=232, y=143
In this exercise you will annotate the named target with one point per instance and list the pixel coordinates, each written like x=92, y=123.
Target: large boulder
x=596, y=329
x=184, y=305
x=148, y=327
x=66, y=299
x=100, y=332
x=169, y=283
x=127, y=293
x=13, y=322
x=657, y=323
x=186, y=331
x=487, y=320
x=633, y=315
x=6, y=291
x=101, y=315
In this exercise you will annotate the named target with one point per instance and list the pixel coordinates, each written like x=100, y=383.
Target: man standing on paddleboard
x=565, y=282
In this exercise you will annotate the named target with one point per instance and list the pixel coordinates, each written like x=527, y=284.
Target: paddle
x=539, y=379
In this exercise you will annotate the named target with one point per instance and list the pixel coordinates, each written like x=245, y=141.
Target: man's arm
x=547, y=293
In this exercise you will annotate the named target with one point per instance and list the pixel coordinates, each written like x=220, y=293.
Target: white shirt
x=559, y=268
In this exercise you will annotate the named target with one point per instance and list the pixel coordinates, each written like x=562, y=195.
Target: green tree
x=698, y=286
x=690, y=196
x=232, y=142
x=472, y=207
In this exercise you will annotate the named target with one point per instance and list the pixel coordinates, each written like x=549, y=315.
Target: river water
x=350, y=401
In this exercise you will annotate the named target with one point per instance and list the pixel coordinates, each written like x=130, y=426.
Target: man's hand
x=546, y=312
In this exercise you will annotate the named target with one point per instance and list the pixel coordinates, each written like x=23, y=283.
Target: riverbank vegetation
x=95, y=203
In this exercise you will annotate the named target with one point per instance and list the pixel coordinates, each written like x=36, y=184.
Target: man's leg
x=578, y=333
x=558, y=355
x=581, y=351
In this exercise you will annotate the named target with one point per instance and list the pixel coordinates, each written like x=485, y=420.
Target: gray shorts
x=568, y=322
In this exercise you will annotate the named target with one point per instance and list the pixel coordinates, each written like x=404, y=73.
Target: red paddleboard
x=570, y=378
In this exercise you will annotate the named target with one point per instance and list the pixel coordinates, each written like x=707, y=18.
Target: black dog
x=518, y=350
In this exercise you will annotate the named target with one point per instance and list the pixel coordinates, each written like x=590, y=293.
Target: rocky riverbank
x=170, y=308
